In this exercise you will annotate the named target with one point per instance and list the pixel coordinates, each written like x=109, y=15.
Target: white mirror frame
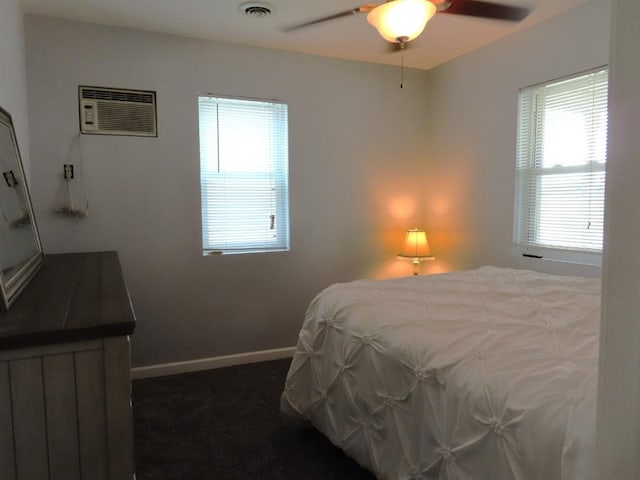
x=14, y=278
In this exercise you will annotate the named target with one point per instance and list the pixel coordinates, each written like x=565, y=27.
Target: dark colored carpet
x=225, y=424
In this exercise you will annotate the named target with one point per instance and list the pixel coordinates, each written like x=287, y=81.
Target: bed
x=486, y=374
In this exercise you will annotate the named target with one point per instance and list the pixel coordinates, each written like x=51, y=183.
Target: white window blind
x=244, y=175
x=560, y=180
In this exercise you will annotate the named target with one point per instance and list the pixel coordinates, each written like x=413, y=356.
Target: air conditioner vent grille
x=109, y=111
x=126, y=118
x=117, y=96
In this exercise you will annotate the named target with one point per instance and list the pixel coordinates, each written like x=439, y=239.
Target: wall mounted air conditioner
x=117, y=111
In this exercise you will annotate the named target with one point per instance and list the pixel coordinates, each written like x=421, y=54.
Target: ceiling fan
x=400, y=21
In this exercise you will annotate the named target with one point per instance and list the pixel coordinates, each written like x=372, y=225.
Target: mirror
x=20, y=250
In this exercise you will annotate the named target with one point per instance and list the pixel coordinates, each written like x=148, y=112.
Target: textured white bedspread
x=487, y=374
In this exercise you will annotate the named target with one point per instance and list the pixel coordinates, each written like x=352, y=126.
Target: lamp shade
x=400, y=21
x=416, y=246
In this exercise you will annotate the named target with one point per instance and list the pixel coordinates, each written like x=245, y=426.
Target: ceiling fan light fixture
x=401, y=19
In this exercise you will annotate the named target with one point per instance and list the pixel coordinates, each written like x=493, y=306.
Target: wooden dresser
x=65, y=386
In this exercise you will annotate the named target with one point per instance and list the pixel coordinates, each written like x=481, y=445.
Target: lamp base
x=416, y=265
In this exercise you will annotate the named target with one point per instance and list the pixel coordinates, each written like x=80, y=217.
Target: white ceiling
x=445, y=37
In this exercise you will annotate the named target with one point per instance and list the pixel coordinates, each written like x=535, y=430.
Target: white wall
x=619, y=380
x=356, y=150
x=470, y=177
x=13, y=84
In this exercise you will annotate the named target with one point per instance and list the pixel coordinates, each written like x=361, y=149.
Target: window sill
x=214, y=253
x=589, y=259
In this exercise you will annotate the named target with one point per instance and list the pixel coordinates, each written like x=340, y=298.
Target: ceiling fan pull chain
x=402, y=71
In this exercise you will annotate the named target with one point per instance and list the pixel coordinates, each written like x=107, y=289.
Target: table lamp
x=415, y=248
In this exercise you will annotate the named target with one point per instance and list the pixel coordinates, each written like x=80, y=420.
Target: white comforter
x=488, y=374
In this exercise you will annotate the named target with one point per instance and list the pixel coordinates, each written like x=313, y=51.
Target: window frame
x=529, y=167
x=243, y=181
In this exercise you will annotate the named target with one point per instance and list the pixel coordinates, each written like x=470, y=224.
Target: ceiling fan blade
x=477, y=8
x=347, y=13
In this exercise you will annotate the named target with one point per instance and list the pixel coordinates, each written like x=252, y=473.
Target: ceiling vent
x=256, y=9
x=115, y=111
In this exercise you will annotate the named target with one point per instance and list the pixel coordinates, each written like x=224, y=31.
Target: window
x=561, y=155
x=243, y=175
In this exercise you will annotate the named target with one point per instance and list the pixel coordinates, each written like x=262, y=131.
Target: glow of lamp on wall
x=416, y=248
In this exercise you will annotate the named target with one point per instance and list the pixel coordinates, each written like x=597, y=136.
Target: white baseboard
x=210, y=363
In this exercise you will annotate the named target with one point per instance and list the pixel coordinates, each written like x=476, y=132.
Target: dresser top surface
x=74, y=297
